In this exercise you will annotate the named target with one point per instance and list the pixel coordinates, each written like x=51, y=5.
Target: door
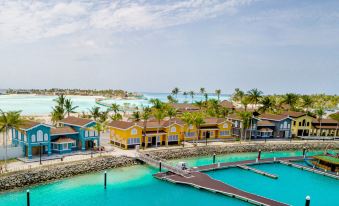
x=208, y=134
x=154, y=139
x=286, y=134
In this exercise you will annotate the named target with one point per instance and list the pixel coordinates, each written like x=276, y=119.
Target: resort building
x=263, y=126
x=301, y=124
x=183, y=107
x=227, y=104
x=72, y=134
x=170, y=132
x=325, y=127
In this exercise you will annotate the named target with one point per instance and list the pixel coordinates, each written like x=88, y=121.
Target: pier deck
x=258, y=171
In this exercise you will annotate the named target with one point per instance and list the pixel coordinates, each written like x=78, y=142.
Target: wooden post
x=160, y=166
x=105, y=179
x=259, y=154
x=308, y=201
x=304, y=152
x=28, y=200
x=214, y=158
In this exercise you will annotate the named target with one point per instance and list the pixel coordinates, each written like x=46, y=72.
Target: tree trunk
x=320, y=129
x=6, y=157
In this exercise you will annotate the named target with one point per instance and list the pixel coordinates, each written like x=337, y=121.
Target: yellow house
x=171, y=132
x=301, y=124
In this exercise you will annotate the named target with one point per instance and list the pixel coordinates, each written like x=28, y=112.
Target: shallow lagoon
x=135, y=185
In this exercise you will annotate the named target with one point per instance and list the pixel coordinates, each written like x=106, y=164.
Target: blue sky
x=277, y=46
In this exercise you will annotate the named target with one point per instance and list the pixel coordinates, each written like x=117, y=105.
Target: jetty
x=196, y=178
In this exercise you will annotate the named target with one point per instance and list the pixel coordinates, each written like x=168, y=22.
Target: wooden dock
x=203, y=181
x=257, y=171
x=196, y=178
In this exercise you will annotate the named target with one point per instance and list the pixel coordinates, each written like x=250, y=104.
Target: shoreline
x=44, y=175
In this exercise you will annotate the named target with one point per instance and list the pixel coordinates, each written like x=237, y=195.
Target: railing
x=154, y=162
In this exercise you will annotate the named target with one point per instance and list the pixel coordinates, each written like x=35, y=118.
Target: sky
x=277, y=46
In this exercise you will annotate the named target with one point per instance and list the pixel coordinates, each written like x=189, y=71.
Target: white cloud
x=29, y=21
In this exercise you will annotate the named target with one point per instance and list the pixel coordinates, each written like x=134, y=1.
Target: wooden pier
x=257, y=171
x=196, y=178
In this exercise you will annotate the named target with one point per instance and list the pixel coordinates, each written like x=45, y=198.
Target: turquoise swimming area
x=42, y=105
x=136, y=186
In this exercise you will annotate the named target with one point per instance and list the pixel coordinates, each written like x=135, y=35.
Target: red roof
x=227, y=104
x=63, y=130
x=27, y=124
x=276, y=117
x=265, y=123
x=76, y=121
x=294, y=114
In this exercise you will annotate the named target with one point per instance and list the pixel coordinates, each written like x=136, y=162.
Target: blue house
x=271, y=126
x=72, y=134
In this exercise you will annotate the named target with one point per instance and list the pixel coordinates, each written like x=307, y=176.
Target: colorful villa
x=302, y=123
x=72, y=134
x=129, y=134
x=325, y=127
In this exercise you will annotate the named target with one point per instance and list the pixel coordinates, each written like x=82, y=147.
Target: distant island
x=107, y=93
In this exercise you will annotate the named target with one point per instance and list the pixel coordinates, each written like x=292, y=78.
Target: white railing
x=154, y=162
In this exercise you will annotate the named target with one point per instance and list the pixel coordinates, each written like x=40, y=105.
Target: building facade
x=72, y=134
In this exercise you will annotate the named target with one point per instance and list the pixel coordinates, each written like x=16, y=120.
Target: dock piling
x=105, y=179
x=214, y=158
x=160, y=166
x=259, y=154
x=308, y=201
x=304, y=152
x=28, y=199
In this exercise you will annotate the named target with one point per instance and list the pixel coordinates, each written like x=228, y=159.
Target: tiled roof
x=326, y=127
x=294, y=114
x=276, y=117
x=173, y=121
x=27, y=124
x=324, y=121
x=183, y=107
x=63, y=130
x=76, y=121
x=234, y=116
x=213, y=120
x=123, y=124
x=64, y=140
x=265, y=123
x=227, y=104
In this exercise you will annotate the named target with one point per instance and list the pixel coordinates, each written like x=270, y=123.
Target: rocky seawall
x=59, y=171
x=238, y=148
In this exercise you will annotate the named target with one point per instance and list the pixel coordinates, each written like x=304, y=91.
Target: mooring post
x=274, y=159
x=308, y=201
x=304, y=152
x=160, y=166
x=259, y=154
x=105, y=179
x=214, y=158
x=28, y=200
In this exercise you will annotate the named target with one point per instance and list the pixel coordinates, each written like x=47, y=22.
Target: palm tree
x=245, y=101
x=206, y=98
x=307, y=102
x=218, y=93
x=202, y=91
x=94, y=112
x=171, y=99
x=246, y=119
x=198, y=120
x=291, y=99
x=185, y=95
x=213, y=107
x=267, y=104
x=200, y=104
x=69, y=108
x=192, y=95
x=171, y=113
x=60, y=100
x=115, y=108
x=156, y=103
x=159, y=115
x=238, y=95
x=116, y=117
x=335, y=116
x=320, y=114
x=145, y=115
x=103, y=116
x=136, y=116
x=57, y=114
x=254, y=96
x=187, y=118
x=11, y=119
x=175, y=92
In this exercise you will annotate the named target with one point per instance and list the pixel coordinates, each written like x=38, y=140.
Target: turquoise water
x=41, y=105
x=135, y=185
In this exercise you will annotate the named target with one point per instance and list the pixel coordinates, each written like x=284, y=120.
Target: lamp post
x=308, y=201
x=40, y=152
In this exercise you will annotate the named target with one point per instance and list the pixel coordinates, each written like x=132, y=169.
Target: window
x=281, y=126
x=55, y=146
x=33, y=138
x=173, y=129
x=224, y=133
x=25, y=138
x=225, y=125
x=19, y=135
x=236, y=124
x=65, y=146
x=285, y=124
x=299, y=124
x=294, y=123
x=40, y=136
x=134, y=131
x=191, y=126
x=133, y=141
x=308, y=123
x=46, y=137
x=86, y=133
x=189, y=134
x=173, y=138
x=73, y=144
x=304, y=122
x=289, y=126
